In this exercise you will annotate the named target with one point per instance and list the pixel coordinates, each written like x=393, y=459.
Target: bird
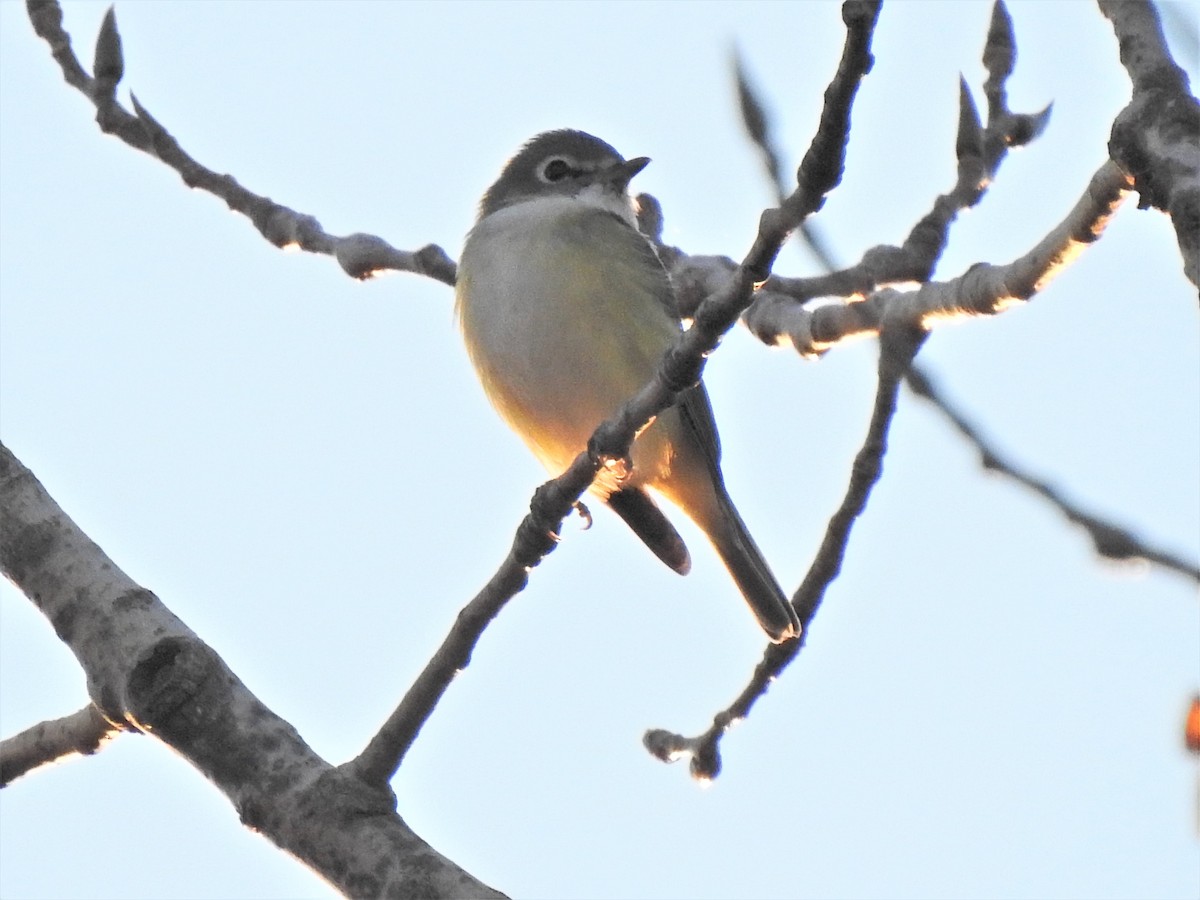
x=566, y=311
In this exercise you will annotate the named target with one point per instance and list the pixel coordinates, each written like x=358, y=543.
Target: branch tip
x=1000, y=46
x=969, y=140
x=1027, y=127
x=754, y=117
x=109, y=63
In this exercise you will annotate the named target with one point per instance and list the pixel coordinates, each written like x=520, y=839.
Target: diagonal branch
x=360, y=255
x=680, y=368
x=757, y=124
x=1110, y=540
x=899, y=344
x=147, y=670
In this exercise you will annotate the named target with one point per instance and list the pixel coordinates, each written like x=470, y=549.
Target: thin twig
x=982, y=290
x=680, y=368
x=1110, y=540
x=360, y=255
x=898, y=346
x=757, y=123
x=779, y=309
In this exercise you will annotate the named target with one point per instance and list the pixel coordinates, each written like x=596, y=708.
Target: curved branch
x=899, y=344
x=360, y=255
x=984, y=289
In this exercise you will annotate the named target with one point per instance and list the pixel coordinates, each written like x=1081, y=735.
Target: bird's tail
x=750, y=572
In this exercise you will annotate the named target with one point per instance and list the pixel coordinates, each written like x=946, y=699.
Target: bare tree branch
x=359, y=255
x=680, y=368
x=984, y=289
x=777, y=317
x=979, y=150
x=1156, y=138
x=82, y=732
x=1111, y=541
x=898, y=346
x=758, y=124
x=150, y=672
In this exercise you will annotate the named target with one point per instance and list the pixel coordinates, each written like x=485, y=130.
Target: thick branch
x=145, y=668
x=1156, y=138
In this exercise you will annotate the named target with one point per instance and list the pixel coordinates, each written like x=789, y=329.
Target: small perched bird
x=566, y=311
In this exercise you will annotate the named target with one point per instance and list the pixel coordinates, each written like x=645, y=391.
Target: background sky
x=305, y=470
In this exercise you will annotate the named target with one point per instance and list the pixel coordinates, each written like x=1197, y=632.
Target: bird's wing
x=694, y=405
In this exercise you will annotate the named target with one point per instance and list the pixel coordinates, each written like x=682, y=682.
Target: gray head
x=562, y=163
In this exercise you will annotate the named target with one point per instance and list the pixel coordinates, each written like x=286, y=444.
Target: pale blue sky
x=304, y=469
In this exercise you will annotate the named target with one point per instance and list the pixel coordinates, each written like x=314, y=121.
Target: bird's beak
x=620, y=174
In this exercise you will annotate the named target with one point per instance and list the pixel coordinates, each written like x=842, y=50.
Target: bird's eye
x=556, y=169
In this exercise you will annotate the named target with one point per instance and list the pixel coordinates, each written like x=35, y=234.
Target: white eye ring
x=556, y=168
